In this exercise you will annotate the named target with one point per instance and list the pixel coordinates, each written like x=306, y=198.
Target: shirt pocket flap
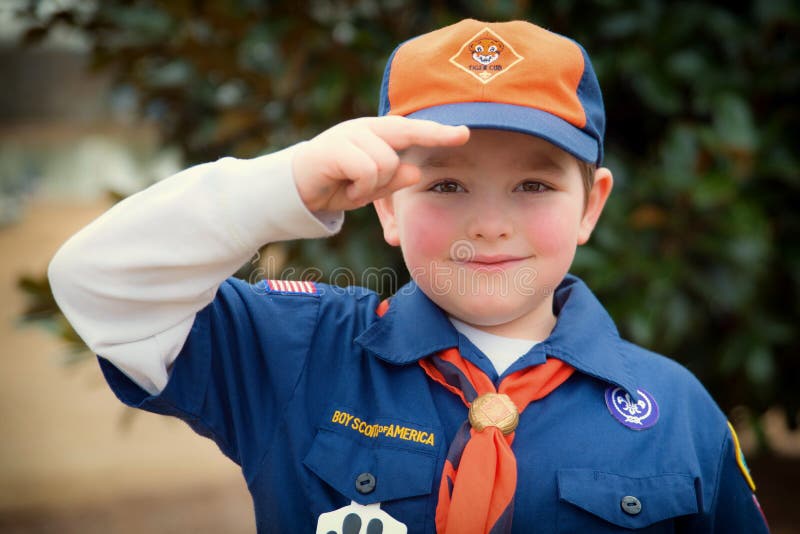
x=655, y=498
x=397, y=473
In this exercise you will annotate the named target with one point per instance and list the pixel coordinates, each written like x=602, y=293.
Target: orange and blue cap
x=506, y=75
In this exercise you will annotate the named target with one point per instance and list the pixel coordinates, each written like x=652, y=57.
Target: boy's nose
x=490, y=224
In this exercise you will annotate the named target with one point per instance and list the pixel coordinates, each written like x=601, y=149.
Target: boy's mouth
x=493, y=262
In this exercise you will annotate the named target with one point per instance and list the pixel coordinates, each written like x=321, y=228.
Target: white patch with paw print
x=359, y=519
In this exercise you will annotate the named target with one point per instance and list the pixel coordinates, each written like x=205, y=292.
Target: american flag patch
x=292, y=286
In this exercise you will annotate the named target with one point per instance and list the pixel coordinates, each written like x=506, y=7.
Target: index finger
x=401, y=132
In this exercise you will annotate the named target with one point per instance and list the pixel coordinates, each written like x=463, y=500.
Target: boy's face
x=492, y=227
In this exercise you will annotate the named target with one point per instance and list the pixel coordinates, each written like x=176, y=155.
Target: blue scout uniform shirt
x=308, y=391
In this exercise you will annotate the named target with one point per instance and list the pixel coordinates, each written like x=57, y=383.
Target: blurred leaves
x=42, y=309
x=697, y=254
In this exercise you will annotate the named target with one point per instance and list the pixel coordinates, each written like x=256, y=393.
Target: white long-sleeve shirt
x=131, y=282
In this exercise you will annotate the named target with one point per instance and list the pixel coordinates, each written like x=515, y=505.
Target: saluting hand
x=357, y=161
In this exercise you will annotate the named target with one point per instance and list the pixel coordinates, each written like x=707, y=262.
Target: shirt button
x=631, y=505
x=365, y=483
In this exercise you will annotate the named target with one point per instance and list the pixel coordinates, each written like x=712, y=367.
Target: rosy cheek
x=551, y=231
x=427, y=231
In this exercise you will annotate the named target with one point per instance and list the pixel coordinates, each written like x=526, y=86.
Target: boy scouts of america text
x=376, y=430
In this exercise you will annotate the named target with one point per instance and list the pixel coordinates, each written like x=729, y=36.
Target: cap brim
x=516, y=119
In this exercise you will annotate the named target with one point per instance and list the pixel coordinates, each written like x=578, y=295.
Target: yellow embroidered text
x=375, y=430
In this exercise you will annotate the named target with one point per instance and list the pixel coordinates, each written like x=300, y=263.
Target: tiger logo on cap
x=485, y=56
x=486, y=51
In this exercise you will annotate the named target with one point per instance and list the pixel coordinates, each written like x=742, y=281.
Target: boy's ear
x=384, y=207
x=601, y=189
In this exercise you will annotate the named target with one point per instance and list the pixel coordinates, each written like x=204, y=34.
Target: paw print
x=352, y=525
x=359, y=519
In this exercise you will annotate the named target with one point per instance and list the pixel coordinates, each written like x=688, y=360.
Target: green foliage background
x=697, y=254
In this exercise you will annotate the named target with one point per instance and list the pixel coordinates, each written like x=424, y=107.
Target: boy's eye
x=532, y=187
x=447, y=187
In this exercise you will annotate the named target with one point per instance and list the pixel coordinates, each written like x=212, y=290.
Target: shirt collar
x=584, y=336
x=412, y=328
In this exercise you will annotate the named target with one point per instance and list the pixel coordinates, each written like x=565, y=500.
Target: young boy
x=492, y=393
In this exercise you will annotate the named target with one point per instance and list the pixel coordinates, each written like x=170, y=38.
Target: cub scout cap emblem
x=637, y=415
x=494, y=409
x=485, y=56
x=513, y=76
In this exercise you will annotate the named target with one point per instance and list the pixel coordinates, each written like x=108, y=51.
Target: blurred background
x=696, y=257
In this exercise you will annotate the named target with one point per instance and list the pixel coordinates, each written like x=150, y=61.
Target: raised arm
x=132, y=281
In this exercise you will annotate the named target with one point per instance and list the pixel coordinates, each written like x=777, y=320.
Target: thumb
x=406, y=175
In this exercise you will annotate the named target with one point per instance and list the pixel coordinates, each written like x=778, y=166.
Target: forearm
x=132, y=281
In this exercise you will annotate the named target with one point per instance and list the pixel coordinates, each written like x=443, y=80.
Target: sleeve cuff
x=263, y=203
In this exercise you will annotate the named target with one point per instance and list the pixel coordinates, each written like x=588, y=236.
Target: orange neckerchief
x=476, y=493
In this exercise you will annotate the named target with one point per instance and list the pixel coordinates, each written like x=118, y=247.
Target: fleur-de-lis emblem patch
x=636, y=414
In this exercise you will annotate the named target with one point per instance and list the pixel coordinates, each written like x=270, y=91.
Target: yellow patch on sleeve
x=740, y=461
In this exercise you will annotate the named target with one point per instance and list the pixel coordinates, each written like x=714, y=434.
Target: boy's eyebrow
x=541, y=162
x=443, y=160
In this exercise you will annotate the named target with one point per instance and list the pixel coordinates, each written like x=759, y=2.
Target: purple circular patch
x=636, y=415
